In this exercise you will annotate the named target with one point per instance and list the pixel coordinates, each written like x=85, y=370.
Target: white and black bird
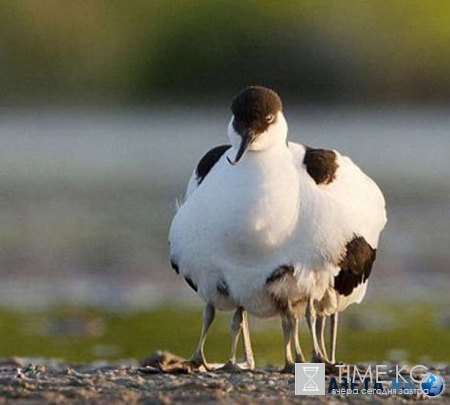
x=277, y=231
x=349, y=287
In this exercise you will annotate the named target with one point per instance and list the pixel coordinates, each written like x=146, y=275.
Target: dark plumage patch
x=191, y=283
x=355, y=266
x=297, y=302
x=175, y=266
x=281, y=304
x=277, y=291
x=222, y=288
x=321, y=165
x=254, y=109
x=208, y=161
x=280, y=272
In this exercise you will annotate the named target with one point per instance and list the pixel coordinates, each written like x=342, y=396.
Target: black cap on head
x=255, y=108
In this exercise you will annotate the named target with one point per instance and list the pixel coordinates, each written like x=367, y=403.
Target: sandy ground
x=54, y=381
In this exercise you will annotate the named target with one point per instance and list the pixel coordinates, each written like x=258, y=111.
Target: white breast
x=238, y=225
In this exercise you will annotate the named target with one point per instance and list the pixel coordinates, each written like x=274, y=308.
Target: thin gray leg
x=248, y=352
x=299, y=357
x=311, y=320
x=334, y=327
x=236, y=327
x=198, y=358
x=321, y=335
x=288, y=329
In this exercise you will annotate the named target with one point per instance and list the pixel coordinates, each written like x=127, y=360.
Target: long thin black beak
x=247, y=138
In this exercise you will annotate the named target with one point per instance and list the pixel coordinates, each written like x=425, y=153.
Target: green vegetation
x=86, y=334
x=134, y=51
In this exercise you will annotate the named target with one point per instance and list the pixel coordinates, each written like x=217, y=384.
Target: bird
x=350, y=286
x=359, y=206
x=222, y=299
x=271, y=228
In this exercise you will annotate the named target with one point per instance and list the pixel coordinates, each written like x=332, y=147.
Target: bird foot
x=330, y=368
x=249, y=364
x=196, y=363
x=289, y=368
x=230, y=367
x=319, y=358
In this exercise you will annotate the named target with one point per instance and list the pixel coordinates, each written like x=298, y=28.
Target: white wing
x=359, y=203
x=204, y=166
x=351, y=204
x=341, y=223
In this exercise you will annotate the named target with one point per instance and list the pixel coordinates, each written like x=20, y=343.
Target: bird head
x=257, y=123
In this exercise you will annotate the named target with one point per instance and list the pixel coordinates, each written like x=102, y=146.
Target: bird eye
x=270, y=118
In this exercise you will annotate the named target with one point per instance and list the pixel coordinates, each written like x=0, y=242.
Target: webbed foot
x=230, y=367
x=289, y=368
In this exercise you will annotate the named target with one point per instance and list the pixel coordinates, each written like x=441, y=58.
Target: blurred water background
x=88, y=197
x=105, y=108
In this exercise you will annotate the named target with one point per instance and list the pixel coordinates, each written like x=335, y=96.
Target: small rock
x=161, y=358
x=149, y=370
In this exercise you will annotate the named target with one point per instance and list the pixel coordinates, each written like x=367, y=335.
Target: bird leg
x=320, y=329
x=299, y=357
x=236, y=327
x=288, y=328
x=334, y=327
x=311, y=319
x=197, y=360
x=248, y=353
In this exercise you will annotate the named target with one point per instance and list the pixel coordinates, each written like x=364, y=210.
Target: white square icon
x=309, y=378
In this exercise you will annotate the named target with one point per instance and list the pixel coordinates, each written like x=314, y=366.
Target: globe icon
x=433, y=384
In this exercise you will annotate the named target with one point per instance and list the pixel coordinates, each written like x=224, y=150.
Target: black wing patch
x=355, y=266
x=191, y=283
x=321, y=165
x=208, y=161
x=175, y=266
